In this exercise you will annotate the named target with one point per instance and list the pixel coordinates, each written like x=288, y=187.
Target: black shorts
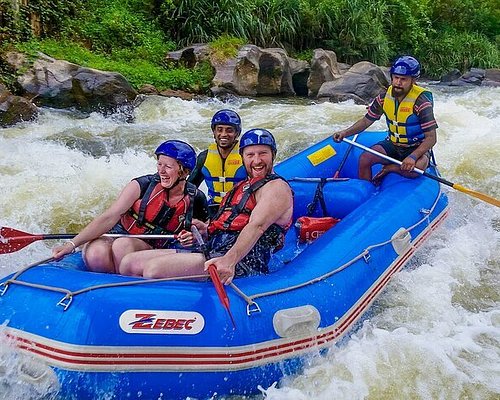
x=254, y=263
x=398, y=152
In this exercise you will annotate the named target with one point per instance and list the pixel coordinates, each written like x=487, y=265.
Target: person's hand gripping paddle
x=212, y=270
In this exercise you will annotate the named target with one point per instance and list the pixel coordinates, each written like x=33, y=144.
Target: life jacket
x=151, y=214
x=221, y=175
x=403, y=123
x=234, y=212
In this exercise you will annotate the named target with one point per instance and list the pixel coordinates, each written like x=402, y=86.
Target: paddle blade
x=478, y=195
x=221, y=292
x=12, y=240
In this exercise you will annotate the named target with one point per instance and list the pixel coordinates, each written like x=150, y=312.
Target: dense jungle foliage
x=132, y=36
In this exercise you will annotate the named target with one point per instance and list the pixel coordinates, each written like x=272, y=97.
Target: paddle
x=12, y=240
x=212, y=270
x=480, y=196
x=337, y=173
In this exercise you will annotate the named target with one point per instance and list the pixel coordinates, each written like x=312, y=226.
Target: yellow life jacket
x=221, y=175
x=403, y=123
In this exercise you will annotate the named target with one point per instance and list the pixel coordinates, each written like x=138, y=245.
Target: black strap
x=191, y=192
x=318, y=196
x=145, y=199
x=240, y=207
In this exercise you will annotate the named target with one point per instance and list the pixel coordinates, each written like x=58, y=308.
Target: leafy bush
x=118, y=27
x=407, y=25
x=195, y=21
x=225, y=47
x=451, y=49
x=136, y=70
x=354, y=29
x=132, y=36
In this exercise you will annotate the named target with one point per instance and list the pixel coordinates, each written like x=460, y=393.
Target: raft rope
x=252, y=305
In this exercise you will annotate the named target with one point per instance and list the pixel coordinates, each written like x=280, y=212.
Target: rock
x=61, y=84
x=491, y=78
x=147, y=89
x=451, y=76
x=15, y=109
x=300, y=71
x=474, y=77
x=177, y=93
x=189, y=56
x=254, y=72
x=362, y=82
x=324, y=68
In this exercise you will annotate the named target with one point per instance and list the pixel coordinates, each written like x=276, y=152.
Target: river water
x=434, y=333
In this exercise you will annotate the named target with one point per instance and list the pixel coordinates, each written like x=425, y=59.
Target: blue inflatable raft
x=112, y=336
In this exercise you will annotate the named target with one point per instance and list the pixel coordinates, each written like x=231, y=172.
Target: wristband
x=413, y=157
x=72, y=244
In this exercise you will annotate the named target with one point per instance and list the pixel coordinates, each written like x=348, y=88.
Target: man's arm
x=274, y=205
x=424, y=109
x=427, y=144
x=196, y=175
x=374, y=112
x=359, y=126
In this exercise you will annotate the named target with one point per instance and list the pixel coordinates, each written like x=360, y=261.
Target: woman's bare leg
x=175, y=265
x=133, y=264
x=98, y=257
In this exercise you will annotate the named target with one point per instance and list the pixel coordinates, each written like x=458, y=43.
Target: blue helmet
x=227, y=117
x=406, y=65
x=178, y=150
x=257, y=136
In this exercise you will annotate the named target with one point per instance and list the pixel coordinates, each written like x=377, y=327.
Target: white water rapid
x=434, y=333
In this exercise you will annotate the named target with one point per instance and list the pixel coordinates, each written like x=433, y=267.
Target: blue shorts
x=254, y=263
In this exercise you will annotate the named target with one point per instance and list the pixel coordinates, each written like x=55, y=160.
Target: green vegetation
x=133, y=36
x=225, y=47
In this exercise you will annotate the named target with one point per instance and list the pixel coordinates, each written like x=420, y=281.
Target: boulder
x=61, y=84
x=324, y=68
x=300, y=70
x=254, y=72
x=451, y=76
x=362, y=83
x=491, y=77
x=15, y=109
x=189, y=56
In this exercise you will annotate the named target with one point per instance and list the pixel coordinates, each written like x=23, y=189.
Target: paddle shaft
x=214, y=275
x=456, y=186
x=12, y=240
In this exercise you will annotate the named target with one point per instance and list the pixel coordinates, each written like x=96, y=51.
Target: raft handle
x=425, y=211
x=65, y=301
x=367, y=256
x=252, y=307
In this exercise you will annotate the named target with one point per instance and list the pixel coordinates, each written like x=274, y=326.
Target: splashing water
x=435, y=331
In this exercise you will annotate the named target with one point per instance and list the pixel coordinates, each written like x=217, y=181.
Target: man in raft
x=220, y=166
x=161, y=203
x=248, y=227
x=408, y=110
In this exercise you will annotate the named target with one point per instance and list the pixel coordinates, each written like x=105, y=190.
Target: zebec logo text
x=161, y=322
